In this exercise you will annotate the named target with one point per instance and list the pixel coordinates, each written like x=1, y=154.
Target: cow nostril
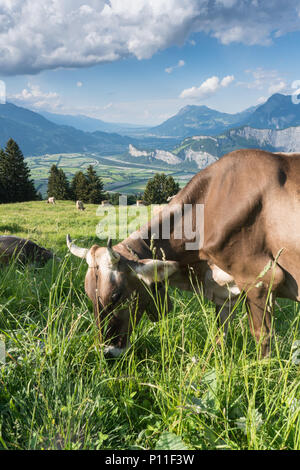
x=113, y=351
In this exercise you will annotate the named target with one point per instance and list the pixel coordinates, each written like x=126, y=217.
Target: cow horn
x=76, y=250
x=114, y=256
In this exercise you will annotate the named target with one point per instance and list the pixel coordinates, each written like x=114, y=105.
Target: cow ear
x=150, y=271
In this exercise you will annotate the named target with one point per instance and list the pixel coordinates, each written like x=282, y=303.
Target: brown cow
x=251, y=206
x=24, y=250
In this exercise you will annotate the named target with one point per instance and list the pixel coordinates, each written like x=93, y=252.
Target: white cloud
x=179, y=64
x=277, y=87
x=34, y=97
x=227, y=80
x=267, y=80
x=37, y=35
x=208, y=88
x=261, y=78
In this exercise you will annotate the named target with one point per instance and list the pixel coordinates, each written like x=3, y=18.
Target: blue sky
x=140, y=61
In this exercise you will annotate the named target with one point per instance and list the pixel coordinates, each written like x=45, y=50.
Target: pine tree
x=88, y=187
x=95, y=187
x=15, y=182
x=3, y=194
x=160, y=188
x=79, y=187
x=58, y=184
x=52, y=181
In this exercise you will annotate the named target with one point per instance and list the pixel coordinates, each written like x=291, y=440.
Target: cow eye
x=156, y=286
x=115, y=297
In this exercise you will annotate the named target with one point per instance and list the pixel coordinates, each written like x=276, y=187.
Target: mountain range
x=37, y=135
x=88, y=124
x=278, y=112
x=197, y=152
x=258, y=126
x=200, y=120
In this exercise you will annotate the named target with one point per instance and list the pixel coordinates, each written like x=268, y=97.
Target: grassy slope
x=57, y=391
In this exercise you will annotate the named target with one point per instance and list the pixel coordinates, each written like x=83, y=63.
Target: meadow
x=175, y=388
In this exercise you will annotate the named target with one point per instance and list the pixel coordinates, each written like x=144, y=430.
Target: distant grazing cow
x=250, y=203
x=80, y=206
x=51, y=200
x=23, y=250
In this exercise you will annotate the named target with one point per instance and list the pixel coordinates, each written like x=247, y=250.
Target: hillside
x=59, y=392
x=197, y=152
x=88, y=124
x=196, y=120
x=278, y=112
x=205, y=149
x=36, y=135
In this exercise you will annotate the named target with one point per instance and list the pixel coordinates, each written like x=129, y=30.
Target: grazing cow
x=250, y=245
x=51, y=200
x=80, y=206
x=23, y=250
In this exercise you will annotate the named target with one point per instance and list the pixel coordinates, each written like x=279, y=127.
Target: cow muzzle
x=115, y=351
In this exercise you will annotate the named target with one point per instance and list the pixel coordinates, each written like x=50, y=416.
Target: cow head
x=121, y=289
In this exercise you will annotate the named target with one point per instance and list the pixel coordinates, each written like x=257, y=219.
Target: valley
x=181, y=146
x=117, y=174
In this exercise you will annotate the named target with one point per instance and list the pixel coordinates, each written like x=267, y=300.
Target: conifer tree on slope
x=15, y=182
x=58, y=184
x=2, y=188
x=88, y=187
x=95, y=187
x=79, y=187
x=160, y=188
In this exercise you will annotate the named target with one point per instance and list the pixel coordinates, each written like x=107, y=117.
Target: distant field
x=118, y=176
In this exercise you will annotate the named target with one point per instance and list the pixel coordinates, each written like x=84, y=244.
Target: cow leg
x=260, y=298
x=224, y=317
x=260, y=309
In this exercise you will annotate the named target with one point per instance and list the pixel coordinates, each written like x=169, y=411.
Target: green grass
x=57, y=391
